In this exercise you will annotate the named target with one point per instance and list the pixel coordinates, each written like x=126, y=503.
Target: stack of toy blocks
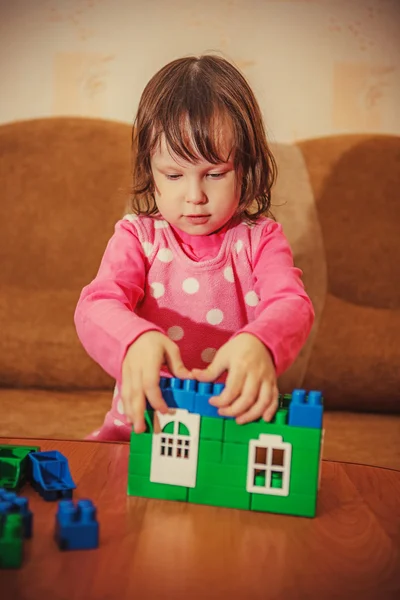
x=16, y=522
x=194, y=455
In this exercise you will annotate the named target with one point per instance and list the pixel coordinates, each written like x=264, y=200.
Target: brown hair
x=195, y=91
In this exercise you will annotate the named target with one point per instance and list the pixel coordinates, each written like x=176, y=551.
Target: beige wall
x=317, y=66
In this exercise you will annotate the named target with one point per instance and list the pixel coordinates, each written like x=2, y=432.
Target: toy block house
x=193, y=455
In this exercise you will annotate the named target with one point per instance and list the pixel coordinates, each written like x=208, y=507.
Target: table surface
x=158, y=549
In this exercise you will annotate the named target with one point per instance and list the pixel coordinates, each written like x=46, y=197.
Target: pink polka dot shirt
x=198, y=290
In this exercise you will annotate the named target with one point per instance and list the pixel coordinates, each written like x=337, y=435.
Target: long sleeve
x=104, y=317
x=284, y=314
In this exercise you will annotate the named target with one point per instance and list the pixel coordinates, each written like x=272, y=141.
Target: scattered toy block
x=50, y=474
x=13, y=465
x=10, y=503
x=11, y=541
x=76, y=525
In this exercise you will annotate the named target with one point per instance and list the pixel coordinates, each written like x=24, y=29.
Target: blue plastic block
x=76, y=525
x=50, y=475
x=202, y=405
x=10, y=503
x=306, y=411
x=178, y=393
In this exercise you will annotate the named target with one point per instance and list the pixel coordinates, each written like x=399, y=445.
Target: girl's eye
x=216, y=175
x=172, y=177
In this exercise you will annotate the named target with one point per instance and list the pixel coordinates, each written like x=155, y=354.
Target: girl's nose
x=195, y=194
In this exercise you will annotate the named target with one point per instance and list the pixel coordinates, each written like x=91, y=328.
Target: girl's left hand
x=251, y=389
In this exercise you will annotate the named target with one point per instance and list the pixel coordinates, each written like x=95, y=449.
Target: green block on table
x=13, y=464
x=11, y=541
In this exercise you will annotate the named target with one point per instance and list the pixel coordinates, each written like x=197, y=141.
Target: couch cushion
x=293, y=205
x=356, y=353
x=39, y=346
x=64, y=184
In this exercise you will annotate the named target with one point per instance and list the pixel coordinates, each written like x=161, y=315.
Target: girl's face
x=197, y=198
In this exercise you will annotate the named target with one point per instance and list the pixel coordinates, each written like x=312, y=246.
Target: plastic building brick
x=76, y=525
x=270, y=467
x=190, y=394
x=306, y=411
x=10, y=503
x=50, y=475
x=11, y=541
x=178, y=393
x=13, y=463
x=205, y=391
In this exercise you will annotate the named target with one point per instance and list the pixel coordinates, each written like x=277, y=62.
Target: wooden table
x=153, y=549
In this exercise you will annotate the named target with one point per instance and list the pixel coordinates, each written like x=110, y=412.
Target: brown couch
x=64, y=183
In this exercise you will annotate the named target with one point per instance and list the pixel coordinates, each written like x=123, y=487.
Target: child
x=196, y=282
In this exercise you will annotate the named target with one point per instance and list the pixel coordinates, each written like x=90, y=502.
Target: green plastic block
x=303, y=437
x=212, y=428
x=141, y=486
x=149, y=420
x=210, y=451
x=219, y=496
x=235, y=454
x=13, y=464
x=139, y=464
x=304, y=471
x=11, y=541
x=219, y=474
x=300, y=505
x=141, y=443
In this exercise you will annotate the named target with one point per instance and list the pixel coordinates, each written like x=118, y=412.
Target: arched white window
x=175, y=448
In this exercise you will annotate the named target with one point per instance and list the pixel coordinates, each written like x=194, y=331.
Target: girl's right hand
x=141, y=375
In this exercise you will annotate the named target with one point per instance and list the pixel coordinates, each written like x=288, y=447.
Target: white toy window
x=269, y=464
x=175, y=448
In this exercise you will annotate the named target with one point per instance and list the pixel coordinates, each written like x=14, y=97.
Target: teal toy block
x=11, y=541
x=14, y=464
x=306, y=411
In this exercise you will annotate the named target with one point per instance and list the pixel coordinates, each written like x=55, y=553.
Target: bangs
x=193, y=132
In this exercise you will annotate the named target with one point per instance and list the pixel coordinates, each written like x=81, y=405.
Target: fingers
x=233, y=388
x=253, y=403
x=175, y=363
x=244, y=399
x=273, y=407
x=214, y=369
x=266, y=404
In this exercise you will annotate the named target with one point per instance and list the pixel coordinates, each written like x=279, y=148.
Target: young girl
x=196, y=282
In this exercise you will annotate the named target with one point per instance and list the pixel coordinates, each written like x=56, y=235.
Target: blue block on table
x=50, y=475
x=77, y=527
